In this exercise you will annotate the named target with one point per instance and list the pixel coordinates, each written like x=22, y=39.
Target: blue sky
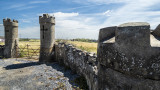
x=78, y=18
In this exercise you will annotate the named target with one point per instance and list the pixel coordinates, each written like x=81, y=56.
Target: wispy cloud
x=24, y=20
x=16, y=6
x=75, y=25
x=29, y=32
x=64, y=15
x=88, y=2
x=36, y=2
x=134, y=11
x=86, y=6
x=26, y=7
x=20, y=7
x=80, y=25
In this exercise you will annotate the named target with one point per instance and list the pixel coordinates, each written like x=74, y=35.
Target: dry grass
x=23, y=43
x=1, y=43
x=87, y=46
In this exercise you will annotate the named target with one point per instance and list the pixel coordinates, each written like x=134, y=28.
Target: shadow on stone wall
x=81, y=62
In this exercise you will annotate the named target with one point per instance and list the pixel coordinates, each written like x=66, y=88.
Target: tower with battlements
x=11, y=37
x=47, y=37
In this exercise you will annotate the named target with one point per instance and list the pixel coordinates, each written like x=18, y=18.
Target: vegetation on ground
x=81, y=81
x=30, y=47
x=85, y=46
x=1, y=43
x=84, y=40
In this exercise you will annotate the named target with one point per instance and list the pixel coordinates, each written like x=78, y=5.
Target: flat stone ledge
x=132, y=24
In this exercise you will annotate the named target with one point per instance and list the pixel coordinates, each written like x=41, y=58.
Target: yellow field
x=23, y=43
x=35, y=44
x=1, y=43
x=89, y=47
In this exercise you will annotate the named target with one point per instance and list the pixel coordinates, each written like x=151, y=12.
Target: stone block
x=157, y=31
x=106, y=33
x=133, y=34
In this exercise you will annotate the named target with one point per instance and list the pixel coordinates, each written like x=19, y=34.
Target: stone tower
x=47, y=37
x=11, y=37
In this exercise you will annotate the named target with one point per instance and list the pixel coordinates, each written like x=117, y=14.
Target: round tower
x=47, y=37
x=11, y=37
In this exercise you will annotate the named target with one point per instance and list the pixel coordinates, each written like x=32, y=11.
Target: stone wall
x=1, y=51
x=83, y=63
x=130, y=63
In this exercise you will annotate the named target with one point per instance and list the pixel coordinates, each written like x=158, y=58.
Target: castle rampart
x=131, y=56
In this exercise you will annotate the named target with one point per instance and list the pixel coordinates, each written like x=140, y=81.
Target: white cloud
x=29, y=32
x=77, y=25
x=36, y=2
x=74, y=25
x=130, y=11
x=109, y=1
x=20, y=7
x=26, y=7
x=24, y=20
x=63, y=15
x=107, y=13
x=1, y=30
x=134, y=11
x=16, y=6
x=86, y=2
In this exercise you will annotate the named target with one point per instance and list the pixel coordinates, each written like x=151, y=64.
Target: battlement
x=9, y=22
x=133, y=34
x=131, y=53
x=47, y=19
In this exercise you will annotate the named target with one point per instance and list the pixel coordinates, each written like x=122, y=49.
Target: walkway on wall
x=19, y=74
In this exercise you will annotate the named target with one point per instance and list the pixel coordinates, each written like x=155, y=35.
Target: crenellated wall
x=129, y=63
x=79, y=61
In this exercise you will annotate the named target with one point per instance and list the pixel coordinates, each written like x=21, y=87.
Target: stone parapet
x=9, y=22
x=79, y=61
x=130, y=63
x=46, y=19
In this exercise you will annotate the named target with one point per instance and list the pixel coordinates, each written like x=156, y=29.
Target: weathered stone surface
x=106, y=33
x=133, y=24
x=81, y=62
x=110, y=79
x=47, y=36
x=1, y=51
x=157, y=31
x=137, y=34
x=130, y=62
x=11, y=37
